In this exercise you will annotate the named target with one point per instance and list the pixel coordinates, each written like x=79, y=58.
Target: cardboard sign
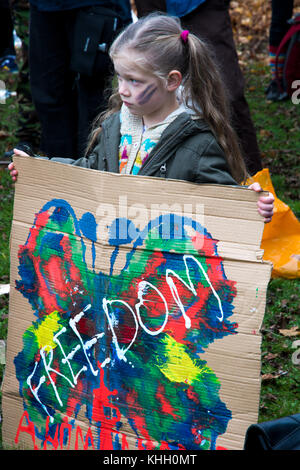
x=135, y=310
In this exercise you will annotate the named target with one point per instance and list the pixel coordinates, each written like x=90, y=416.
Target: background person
x=66, y=101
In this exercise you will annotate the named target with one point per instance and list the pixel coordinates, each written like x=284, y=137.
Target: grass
x=280, y=392
x=277, y=127
x=8, y=119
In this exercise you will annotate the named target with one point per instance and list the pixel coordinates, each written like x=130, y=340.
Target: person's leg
x=211, y=22
x=52, y=83
x=281, y=13
x=7, y=48
x=28, y=130
x=92, y=99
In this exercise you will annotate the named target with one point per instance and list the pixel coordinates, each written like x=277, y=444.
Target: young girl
x=169, y=116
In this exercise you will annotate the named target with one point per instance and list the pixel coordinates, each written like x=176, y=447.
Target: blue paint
x=52, y=241
x=88, y=226
x=121, y=232
x=60, y=215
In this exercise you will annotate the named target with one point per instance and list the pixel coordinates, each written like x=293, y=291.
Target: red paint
x=29, y=429
x=65, y=425
x=41, y=220
x=85, y=442
x=145, y=444
x=126, y=333
x=176, y=325
x=181, y=447
x=164, y=446
x=125, y=445
x=192, y=395
x=74, y=272
x=88, y=440
x=204, y=245
x=101, y=403
x=166, y=407
x=49, y=300
x=154, y=262
x=54, y=272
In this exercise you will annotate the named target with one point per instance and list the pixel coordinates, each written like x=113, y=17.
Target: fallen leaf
x=294, y=331
x=273, y=376
x=270, y=376
x=265, y=133
x=270, y=396
x=270, y=356
x=3, y=134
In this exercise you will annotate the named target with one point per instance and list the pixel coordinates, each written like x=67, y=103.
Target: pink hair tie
x=184, y=35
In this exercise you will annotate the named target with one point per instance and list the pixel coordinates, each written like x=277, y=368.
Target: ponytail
x=204, y=90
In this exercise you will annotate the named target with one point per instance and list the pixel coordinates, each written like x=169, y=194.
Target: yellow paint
x=138, y=160
x=45, y=331
x=179, y=367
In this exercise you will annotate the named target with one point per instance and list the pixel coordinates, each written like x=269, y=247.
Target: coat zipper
x=163, y=170
x=150, y=160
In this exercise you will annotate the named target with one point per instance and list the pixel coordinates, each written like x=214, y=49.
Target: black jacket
x=123, y=7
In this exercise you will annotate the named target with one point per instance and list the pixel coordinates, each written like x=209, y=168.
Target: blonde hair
x=157, y=38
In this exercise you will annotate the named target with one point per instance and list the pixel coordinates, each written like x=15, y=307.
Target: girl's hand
x=265, y=204
x=11, y=166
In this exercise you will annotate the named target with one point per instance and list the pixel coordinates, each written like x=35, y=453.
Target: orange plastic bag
x=281, y=237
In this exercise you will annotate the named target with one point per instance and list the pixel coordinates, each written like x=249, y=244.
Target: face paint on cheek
x=147, y=94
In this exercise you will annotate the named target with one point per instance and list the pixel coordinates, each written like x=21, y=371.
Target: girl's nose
x=123, y=89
